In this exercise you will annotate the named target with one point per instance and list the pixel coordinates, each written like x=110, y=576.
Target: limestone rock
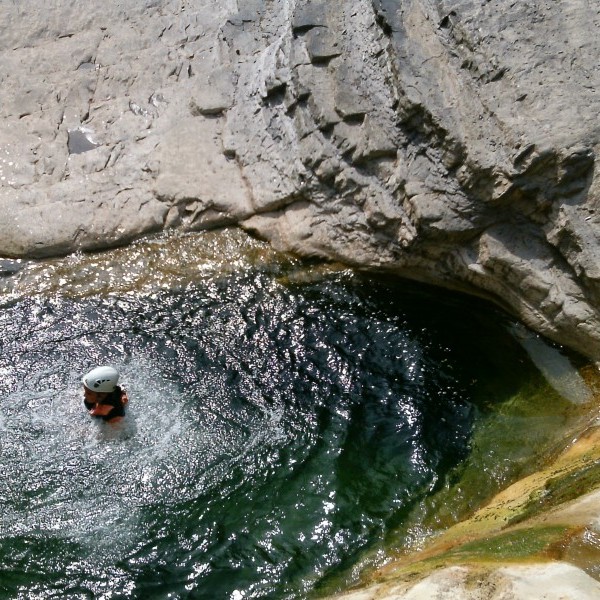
x=451, y=142
x=553, y=581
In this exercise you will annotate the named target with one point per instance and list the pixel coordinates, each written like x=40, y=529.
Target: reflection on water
x=283, y=419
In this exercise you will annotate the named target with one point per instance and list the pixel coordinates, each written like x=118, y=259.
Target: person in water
x=102, y=397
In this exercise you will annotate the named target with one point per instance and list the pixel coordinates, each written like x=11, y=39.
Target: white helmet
x=101, y=379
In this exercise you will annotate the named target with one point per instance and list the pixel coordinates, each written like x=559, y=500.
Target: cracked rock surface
x=449, y=142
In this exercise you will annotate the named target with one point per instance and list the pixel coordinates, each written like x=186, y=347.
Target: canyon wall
x=449, y=142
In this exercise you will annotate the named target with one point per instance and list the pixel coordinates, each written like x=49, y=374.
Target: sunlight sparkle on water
x=282, y=416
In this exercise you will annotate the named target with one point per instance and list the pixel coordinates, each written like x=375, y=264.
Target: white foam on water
x=88, y=482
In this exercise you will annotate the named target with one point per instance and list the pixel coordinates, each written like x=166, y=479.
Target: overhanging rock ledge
x=450, y=142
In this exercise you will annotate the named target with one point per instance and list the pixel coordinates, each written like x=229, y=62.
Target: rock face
x=557, y=581
x=450, y=142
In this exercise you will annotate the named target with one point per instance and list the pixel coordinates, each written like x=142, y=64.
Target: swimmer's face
x=93, y=397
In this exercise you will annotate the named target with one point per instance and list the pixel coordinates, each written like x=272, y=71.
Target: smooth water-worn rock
x=555, y=581
x=450, y=142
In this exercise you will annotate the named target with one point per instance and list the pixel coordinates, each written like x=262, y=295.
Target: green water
x=286, y=421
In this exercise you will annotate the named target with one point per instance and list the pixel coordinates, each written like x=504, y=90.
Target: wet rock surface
x=451, y=142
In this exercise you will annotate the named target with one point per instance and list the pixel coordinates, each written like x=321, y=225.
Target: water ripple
x=279, y=425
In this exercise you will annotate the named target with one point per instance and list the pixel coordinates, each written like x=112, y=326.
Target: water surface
x=285, y=419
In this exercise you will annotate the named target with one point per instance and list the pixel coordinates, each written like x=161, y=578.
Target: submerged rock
x=450, y=142
x=538, y=538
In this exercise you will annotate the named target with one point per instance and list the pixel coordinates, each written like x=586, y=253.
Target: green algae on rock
x=528, y=514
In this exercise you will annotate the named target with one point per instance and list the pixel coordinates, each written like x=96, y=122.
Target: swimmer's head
x=101, y=380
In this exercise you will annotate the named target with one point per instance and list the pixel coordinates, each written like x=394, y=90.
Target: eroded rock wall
x=451, y=142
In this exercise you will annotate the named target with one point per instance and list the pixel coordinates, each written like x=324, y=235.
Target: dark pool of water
x=275, y=432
